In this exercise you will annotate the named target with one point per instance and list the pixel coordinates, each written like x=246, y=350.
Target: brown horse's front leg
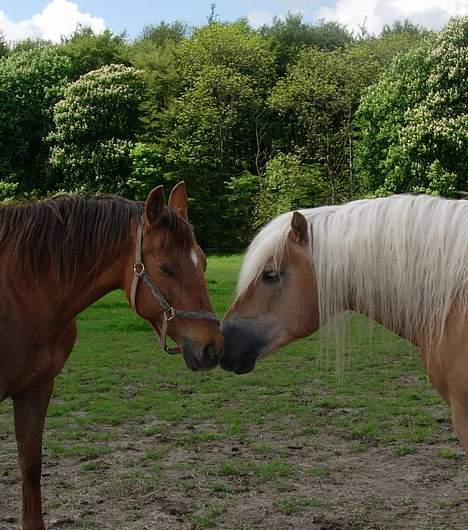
x=30, y=411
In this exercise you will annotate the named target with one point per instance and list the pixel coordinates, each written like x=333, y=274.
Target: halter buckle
x=139, y=268
x=170, y=314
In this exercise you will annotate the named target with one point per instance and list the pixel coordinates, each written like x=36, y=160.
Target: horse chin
x=245, y=368
x=197, y=366
x=241, y=366
x=195, y=363
x=249, y=362
x=191, y=362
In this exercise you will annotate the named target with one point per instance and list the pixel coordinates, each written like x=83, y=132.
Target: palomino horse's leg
x=447, y=370
x=460, y=421
x=30, y=411
x=453, y=387
x=457, y=385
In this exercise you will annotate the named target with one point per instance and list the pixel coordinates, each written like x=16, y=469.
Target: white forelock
x=406, y=255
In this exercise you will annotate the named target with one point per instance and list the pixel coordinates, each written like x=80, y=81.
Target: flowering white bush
x=415, y=119
x=96, y=124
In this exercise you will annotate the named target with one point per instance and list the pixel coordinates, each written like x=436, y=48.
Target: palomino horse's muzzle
x=169, y=312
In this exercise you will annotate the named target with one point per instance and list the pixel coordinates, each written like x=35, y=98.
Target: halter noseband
x=169, y=312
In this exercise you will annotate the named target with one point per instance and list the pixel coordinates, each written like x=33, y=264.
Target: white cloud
x=59, y=18
x=258, y=18
x=375, y=13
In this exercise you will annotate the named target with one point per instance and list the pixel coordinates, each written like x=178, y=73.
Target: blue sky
x=132, y=16
x=52, y=18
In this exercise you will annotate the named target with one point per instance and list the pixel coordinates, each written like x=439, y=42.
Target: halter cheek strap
x=169, y=312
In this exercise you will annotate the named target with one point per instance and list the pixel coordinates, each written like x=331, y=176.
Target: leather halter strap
x=169, y=312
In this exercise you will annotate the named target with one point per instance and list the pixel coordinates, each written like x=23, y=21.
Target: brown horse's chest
x=26, y=362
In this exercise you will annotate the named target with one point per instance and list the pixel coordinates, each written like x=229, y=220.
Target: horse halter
x=169, y=312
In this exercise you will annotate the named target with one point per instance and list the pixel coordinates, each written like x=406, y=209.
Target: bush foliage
x=415, y=119
x=256, y=121
x=96, y=125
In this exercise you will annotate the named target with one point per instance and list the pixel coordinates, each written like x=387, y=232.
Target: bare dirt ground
x=326, y=483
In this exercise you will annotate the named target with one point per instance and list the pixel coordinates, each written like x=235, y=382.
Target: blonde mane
x=406, y=255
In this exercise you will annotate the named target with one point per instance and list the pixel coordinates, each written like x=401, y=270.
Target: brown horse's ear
x=178, y=199
x=154, y=205
x=298, y=228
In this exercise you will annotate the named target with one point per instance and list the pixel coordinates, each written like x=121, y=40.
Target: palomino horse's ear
x=154, y=205
x=298, y=228
x=178, y=199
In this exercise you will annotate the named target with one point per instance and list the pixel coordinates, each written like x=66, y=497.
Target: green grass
x=117, y=378
x=117, y=375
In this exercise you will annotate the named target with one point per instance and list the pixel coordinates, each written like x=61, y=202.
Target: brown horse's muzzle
x=201, y=358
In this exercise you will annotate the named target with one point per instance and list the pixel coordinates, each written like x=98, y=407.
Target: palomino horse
x=401, y=260
x=61, y=255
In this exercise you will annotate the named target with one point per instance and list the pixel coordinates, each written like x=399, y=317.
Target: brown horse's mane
x=74, y=235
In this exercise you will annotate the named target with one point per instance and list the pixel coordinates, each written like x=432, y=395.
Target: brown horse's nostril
x=212, y=352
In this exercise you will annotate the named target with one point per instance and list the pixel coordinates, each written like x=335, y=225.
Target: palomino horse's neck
x=376, y=308
x=402, y=260
x=374, y=313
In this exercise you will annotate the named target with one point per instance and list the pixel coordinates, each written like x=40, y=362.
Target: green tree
x=96, y=125
x=89, y=51
x=242, y=194
x=394, y=40
x=288, y=184
x=214, y=124
x=164, y=33
x=31, y=82
x=155, y=54
x=316, y=102
x=288, y=36
x=415, y=120
x=402, y=28
x=29, y=44
x=146, y=169
x=219, y=125
x=4, y=48
x=232, y=45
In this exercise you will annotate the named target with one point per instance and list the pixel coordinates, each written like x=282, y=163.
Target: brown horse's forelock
x=74, y=236
x=177, y=230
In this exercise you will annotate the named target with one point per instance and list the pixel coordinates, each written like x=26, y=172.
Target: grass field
x=135, y=440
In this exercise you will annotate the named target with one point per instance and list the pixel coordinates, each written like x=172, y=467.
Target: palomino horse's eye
x=271, y=276
x=166, y=270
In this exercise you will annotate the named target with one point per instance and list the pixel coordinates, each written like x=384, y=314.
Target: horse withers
x=61, y=255
x=401, y=260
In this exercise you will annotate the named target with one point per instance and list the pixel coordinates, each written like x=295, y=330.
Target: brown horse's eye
x=166, y=270
x=271, y=276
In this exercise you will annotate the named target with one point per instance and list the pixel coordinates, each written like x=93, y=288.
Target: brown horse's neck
x=113, y=274
x=53, y=301
x=60, y=255
x=45, y=312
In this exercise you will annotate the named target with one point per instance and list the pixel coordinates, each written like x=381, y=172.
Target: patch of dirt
x=328, y=484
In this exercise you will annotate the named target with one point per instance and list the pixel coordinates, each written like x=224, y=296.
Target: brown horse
x=61, y=255
x=401, y=260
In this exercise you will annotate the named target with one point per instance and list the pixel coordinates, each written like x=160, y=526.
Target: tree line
x=256, y=121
